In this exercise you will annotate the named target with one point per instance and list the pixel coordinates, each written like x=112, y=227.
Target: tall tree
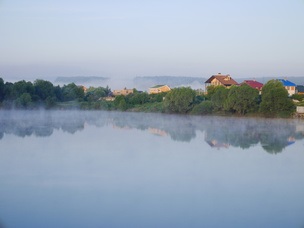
x=275, y=100
x=1, y=90
x=72, y=92
x=242, y=99
x=179, y=100
x=44, y=89
x=218, y=97
x=137, y=98
x=93, y=94
x=22, y=87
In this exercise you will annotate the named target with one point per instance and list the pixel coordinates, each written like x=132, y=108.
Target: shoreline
x=299, y=116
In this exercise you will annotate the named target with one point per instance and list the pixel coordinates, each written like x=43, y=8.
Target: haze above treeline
x=124, y=39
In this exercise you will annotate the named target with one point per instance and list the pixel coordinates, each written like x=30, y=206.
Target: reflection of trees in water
x=299, y=135
x=183, y=133
x=43, y=131
x=273, y=135
x=43, y=123
x=180, y=128
x=230, y=131
x=72, y=127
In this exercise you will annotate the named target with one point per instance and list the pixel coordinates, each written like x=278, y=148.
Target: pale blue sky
x=116, y=38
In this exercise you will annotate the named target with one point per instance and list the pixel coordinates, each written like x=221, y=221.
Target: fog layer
x=219, y=132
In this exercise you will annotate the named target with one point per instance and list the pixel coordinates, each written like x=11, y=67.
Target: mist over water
x=113, y=169
x=273, y=135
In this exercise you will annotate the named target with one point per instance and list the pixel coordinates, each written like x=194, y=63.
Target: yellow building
x=159, y=89
x=123, y=92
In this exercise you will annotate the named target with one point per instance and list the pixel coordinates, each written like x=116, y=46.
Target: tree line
x=237, y=100
x=25, y=94
x=273, y=101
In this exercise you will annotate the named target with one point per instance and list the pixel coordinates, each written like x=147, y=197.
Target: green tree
x=275, y=100
x=2, y=90
x=210, y=91
x=158, y=97
x=123, y=105
x=8, y=91
x=120, y=103
x=179, y=100
x=50, y=102
x=24, y=101
x=108, y=91
x=137, y=98
x=203, y=108
x=218, y=97
x=44, y=89
x=58, y=93
x=242, y=99
x=72, y=92
x=94, y=94
x=22, y=87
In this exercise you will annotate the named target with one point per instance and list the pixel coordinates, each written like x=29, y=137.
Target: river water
x=111, y=169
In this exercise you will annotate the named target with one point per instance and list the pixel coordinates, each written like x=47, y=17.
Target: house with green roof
x=159, y=89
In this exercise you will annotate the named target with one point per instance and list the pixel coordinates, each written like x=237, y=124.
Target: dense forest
x=237, y=100
x=41, y=93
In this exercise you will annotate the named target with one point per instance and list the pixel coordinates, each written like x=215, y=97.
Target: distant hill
x=172, y=81
x=82, y=80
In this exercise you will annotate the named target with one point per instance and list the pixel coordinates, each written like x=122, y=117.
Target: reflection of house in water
x=213, y=140
x=215, y=144
x=121, y=127
x=156, y=131
x=290, y=140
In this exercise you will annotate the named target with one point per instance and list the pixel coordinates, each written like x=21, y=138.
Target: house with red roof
x=253, y=84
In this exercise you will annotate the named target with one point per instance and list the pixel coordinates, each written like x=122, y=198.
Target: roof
x=286, y=82
x=157, y=86
x=224, y=79
x=124, y=89
x=254, y=84
x=300, y=88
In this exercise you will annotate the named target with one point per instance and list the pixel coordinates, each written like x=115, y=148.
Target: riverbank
x=156, y=107
x=241, y=100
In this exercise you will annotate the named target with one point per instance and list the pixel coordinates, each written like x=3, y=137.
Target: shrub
x=203, y=108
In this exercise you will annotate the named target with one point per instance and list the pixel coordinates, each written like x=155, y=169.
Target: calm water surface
x=108, y=169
